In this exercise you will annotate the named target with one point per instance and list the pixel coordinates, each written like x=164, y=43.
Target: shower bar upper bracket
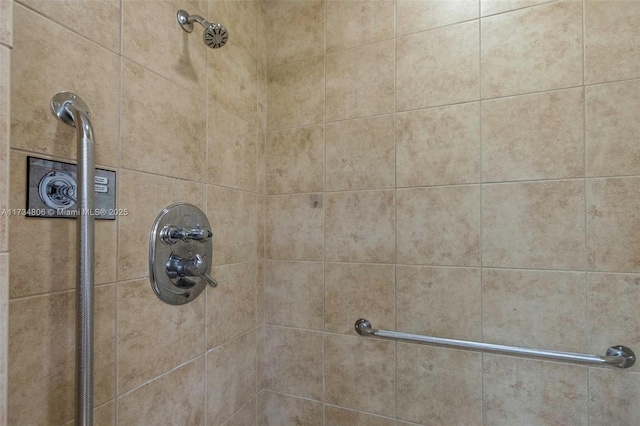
x=617, y=356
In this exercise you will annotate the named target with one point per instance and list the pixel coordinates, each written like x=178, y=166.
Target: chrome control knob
x=172, y=234
x=195, y=266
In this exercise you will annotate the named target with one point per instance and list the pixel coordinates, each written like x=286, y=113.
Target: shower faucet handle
x=172, y=234
x=194, y=266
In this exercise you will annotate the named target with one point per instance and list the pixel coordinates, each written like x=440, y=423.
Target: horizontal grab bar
x=617, y=356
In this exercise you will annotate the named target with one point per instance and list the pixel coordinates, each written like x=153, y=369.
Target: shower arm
x=74, y=112
x=186, y=21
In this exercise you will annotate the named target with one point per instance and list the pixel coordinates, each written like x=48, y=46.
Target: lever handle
x=172, y=234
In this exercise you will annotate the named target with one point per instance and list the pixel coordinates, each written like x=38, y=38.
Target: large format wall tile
x=438, y=67
x=145, y=196
x=294, y=228
x=295, y=160
x=354, y=291
x=175, y=398
x=42, y=354
x=439, y=226
x=154, y=141
x=232, y=150
x=345, y=360
x=276, y=409
x=360, y=154
x=231, y=377
x=360, y=227
x=295, y=94
x=439, y=386
x=295, y=30
x=611, y=397
x=540, y=309
x=420, y=15
x=439, y=301
x=293, y=362
x=68, y=62
x=355, y=23
x=532, y=137
x=294, y=294
x=158, y=43
x=241, y=19
x=519, y=391
x=492, y=7
x=612, y=40
x=612, y=224
x=534, y=225
x=360, y=81
x=438, y=146
x=520, y=50
x=5, y=73
x=99, y=21
x=6, y=22
x=337, y=416
x=613, y=129
x=246, y=416
x=231, y=306
x=144, y=352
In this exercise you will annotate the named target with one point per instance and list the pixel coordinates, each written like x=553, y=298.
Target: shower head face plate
x=215, y=36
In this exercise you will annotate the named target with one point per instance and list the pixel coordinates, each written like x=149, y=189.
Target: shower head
x=215, y=35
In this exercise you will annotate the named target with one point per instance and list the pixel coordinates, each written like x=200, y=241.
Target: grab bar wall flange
x=617, y=356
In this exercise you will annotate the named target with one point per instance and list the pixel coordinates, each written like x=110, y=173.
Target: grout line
x=324, y=221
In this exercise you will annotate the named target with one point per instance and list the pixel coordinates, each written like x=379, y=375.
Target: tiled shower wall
x=178, y=122
x=466, y=169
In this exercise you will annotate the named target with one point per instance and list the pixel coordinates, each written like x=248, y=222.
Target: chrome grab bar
x=617, y=356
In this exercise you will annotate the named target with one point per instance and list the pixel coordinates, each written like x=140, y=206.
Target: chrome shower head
x=215, y=35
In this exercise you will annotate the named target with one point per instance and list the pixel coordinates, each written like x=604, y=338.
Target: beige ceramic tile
x=360, y=82
x=293, y=294
x=355, y=23
x=233, y=218
x=40, y=70
x=231, y=377
x=233, y=79
x=261, y=119
x=275, y=409
x=295, y=94
x=438, y=146
x=260, y=337
x=420, y=15
x=171, y=52
x=232, y=145
x=442, y=302
x=53, y=240
x=492, y=7
x=261, y=206
x=175, y=398
x=263, y=45
x=439, y=386
x=99, y=21
x=360, y=227
x=360, y=154
x=611, y=397
x=293, y=361
x=231, y=306
x=612, y=221
x=295, y=30
x=153, y=140
x=144, y=322
x=613, y=129
x=438, y=67
x=260, y=293
x=439, y=226
x=261, y=168
x=145, y=196
x=612, y=40
x=534, y=49
x=519, y=391
x=613, y=319
x=537, y=309
x=358, y=291
x=294, y=227
x=534, y=225
x=345, y=360
x=241, y=20
x=246, y=416
x=42, y=354
x=104, y=415
x=6, y=22
x=532, y=137
x=336, y=416
x=295, y=160
x=5, y=71
x=4, y=331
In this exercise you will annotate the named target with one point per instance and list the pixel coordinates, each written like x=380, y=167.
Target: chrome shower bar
x=617, y=356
